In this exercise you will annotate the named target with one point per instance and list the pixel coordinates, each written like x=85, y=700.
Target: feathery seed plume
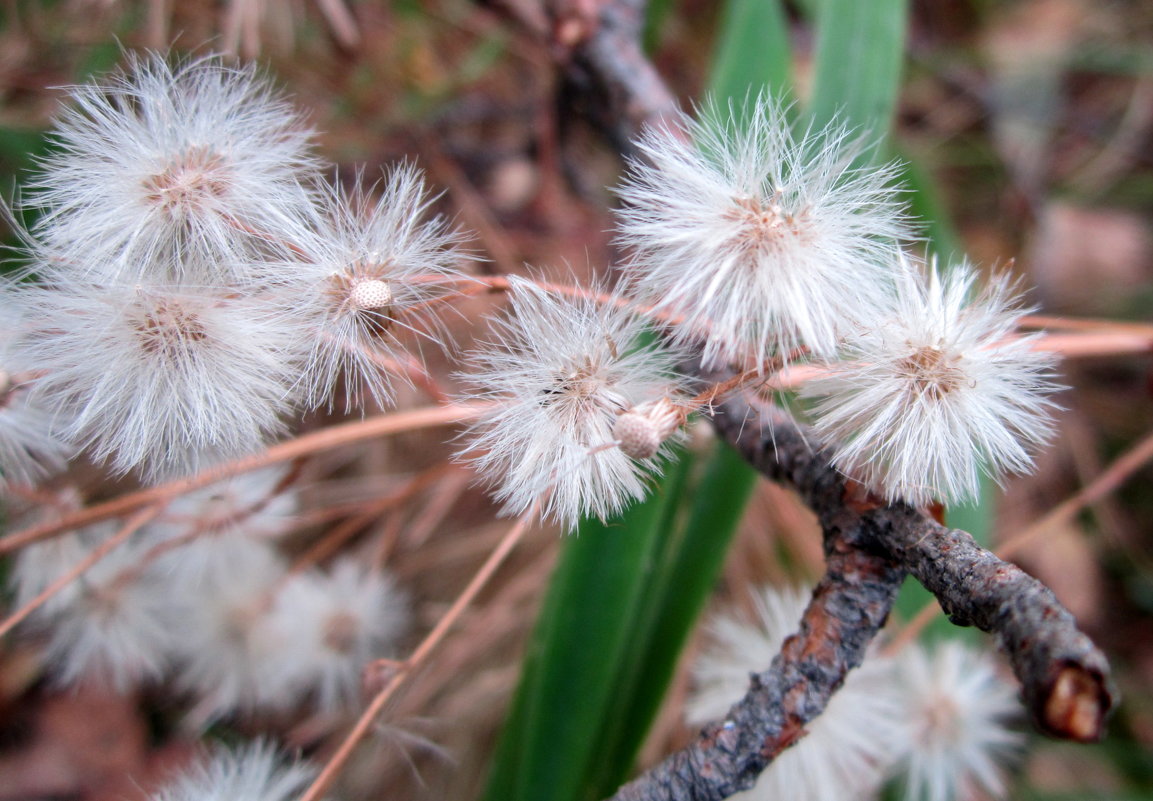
x=938, y=390
x=760, y=239
x=180, y=172
x=562, y=372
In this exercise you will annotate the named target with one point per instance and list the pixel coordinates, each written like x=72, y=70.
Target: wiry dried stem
x=404, y=669
x=326, y=439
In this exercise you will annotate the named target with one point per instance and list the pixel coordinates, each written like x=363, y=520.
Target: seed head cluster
x=761, y=244
x=193, y=282
x=198, y=281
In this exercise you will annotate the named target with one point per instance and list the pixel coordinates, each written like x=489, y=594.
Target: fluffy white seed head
x=938, y=391
x=36, y=566
x=252, y=773
x=119, y=626
x=956, y=711
x=191, y=172
x=846, y=750
x=760, y=239
x=226, y=641
x=364, y=272
x=162, y=380
x=331, y=625
x=562, y=371
x=31, y=445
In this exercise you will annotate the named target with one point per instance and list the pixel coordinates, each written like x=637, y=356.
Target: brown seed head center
x=189, y=182
x=942, y=719
x=763, y=222
x=340, y=632
x=167, y=327
x=932, y=372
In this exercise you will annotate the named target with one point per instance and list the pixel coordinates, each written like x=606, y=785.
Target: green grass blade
x=752, y=52
x=691, y=556
x=575, y=657
x=860, y=49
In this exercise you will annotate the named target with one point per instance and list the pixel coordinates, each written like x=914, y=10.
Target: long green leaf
x=860, y=48
x=692, y=553
x=576, y=653
x=752, y=53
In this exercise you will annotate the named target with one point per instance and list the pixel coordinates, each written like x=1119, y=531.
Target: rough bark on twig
x=849, y=606
x=869, y=546
x=606, y=71
x=1064, y=677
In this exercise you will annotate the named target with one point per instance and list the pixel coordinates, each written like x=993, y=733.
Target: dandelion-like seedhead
x=254, y=773
x=956, y=711
x=561, y=372
x=331, y=625
x=938, y=390
x=227, y=645
x=115, y=633
x=846, y=751
x=40, y=564
x=364, y=270
x=184, y=172
x=162, y=380
x=760, y=240
x=30, y=444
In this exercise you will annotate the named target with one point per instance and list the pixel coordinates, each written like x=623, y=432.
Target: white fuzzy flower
x=39, y=564
x=182, y=171
x=162, y=380
x=119, y=626
x=31, y=447
x=938, y=391
x=253, y=773
x=761, y=240
x=956, y=708
x=30, y=444
x=359, y=277
x=846, y=750
x=332, y=624
x=36, y=566
x=562, y=371
x=226, y=640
